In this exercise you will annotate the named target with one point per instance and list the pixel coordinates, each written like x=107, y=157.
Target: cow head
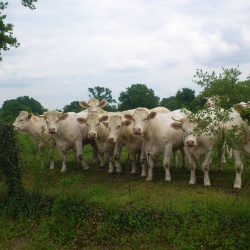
x=22, y=121
x=93, y=105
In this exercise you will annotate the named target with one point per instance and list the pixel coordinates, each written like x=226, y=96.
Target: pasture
x=89, y=209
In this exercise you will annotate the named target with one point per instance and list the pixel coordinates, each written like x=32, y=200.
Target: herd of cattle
x=146, y=133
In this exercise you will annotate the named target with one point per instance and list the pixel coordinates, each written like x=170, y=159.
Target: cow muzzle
x=137, y=131
x=190, y=143
x=52, y=130
x=92, y=135
x=111, y=139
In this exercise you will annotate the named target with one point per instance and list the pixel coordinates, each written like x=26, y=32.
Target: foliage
x=73, y=107
x=29, y=3
x=226, y=85
x=101, y=93
x=171, y=103
x=11, y=108
x=9, y=159
x=245, y=114
x=138, y=95
x=6, y=32
x=124, y=212
x=185, y=97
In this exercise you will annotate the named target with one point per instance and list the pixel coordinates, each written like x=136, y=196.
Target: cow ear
x=126, y=123
x=128, y=117
x=152, y=115
x=176, y=125
x=84, y=104
x=81, y=120
x=63, y=116
x=106, y=124
x=102, y=103
x=104, y=118
x=29, y=116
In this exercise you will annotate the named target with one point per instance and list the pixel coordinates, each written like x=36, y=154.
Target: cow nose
x=190, y=143
x=137, y=130
x=92, y=134
x=110, y=139
x=52, y=130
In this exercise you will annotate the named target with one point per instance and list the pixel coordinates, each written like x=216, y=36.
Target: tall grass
x=93, y=210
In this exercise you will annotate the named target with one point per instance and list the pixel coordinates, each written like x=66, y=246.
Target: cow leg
x=134, y=165
x=51, y=155
x=102, y=160
x=221, y=155
x=166, y=162
x=144, y=163
x=238, y=168
x=205, y=167
x=63, y=157
x=111, y=165
x=151, y=162
x=117, y=154
x=175, y=158
x=78, y=149
x=193, y=166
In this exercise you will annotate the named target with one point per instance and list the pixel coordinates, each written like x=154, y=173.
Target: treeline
x=226, y=85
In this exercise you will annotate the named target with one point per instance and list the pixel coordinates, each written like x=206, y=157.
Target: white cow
x=122, y=129
x=158, y=137
x=66, y=133
x=236, y=133
x=197, y=143
x=99, y=132
x=93, y=105
x=35, y=126
x=238, y=137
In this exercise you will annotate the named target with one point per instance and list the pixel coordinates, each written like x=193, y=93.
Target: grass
x=93, y=210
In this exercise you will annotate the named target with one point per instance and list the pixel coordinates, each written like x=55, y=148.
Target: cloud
x=70, y=46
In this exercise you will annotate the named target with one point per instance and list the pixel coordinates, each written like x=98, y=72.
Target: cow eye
x=118, y=127
x=145, y=119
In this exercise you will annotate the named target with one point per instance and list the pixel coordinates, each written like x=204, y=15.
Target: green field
x=90, y=209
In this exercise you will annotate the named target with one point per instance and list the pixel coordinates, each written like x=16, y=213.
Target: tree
x=34, y=105
x=6, y=30
x=185, y=97
x=138, y=95
x=11, y=108
x=171, y=103
x=73, y=107
x=101, y=93
x=226, y=85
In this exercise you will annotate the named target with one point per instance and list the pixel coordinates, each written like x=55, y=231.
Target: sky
x=68, y=46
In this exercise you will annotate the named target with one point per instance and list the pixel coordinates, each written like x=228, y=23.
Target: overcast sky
x=68, y=46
